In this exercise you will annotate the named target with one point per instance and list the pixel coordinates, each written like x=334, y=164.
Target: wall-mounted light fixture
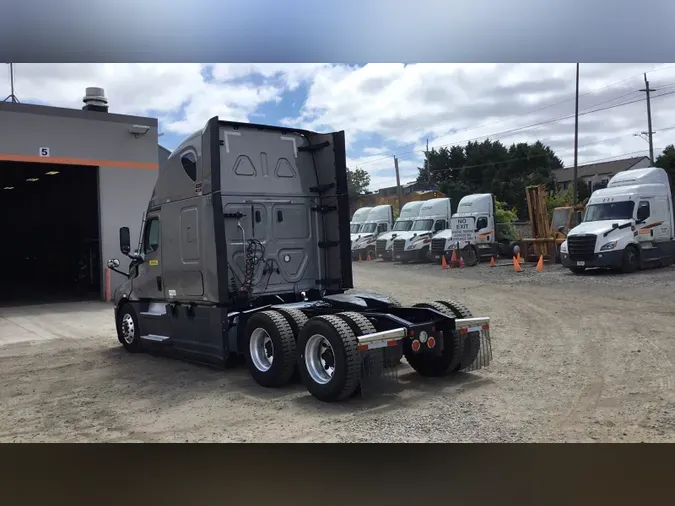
x=52, y=173
x=8, y=188
x=139, y=130
x=32, y=179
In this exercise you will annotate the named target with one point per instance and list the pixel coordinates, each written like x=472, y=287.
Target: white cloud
x=291, y=74
x=401, y=104
x=176, y=93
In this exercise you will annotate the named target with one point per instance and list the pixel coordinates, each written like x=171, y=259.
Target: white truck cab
x=473, y=227
x=414, y=244
x=384, y=244
x=358, y=219
x=627, y=226
x=380, y=220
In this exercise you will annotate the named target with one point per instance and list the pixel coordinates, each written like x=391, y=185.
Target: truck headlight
x=608, y=246
x=563, y=247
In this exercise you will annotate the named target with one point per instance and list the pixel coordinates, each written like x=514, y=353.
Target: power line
x=532, y=111
x=601, y=141
x=506, y=133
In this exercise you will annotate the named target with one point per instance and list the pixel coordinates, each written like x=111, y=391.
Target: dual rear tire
x=459, y=351
x=324, y=351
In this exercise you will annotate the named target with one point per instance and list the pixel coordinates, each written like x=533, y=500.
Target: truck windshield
x=354, y=228
x=402, y=226
x=610, y=211
x=422, y=225
x=368, y=228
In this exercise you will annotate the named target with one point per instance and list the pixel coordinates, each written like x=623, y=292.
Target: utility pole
x=398, y=184
x=428, y=164
x=576, y=142
x=12, y=97
x=649, y=119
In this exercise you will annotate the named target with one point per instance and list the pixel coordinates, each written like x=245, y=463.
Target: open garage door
x=49, y=224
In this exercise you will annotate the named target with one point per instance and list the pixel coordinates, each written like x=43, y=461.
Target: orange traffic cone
x=461, y=262
x=518, y=257
x=444, y=263
x=540, y=263
x=516, y=265
x=453, y=258
x=360, y=259
x=492, y=262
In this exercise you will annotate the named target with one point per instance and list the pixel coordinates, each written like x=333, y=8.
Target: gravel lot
x=576, y=358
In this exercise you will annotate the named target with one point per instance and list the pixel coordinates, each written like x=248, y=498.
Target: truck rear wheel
x=373, y=362
x=471, y=345
x=296, y=319
x=431, y=365
x=270, y=350
x=393, y=354
x=328, y=358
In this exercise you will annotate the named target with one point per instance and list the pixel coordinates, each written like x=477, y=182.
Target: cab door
x=646, y=222
x=484, y=232
x=149, y=283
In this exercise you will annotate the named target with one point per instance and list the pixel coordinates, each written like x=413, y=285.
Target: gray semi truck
x=244, y=256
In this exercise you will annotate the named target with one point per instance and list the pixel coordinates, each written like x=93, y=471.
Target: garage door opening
x=49, y=221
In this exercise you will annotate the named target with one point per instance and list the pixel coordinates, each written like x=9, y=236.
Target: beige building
x=597, y=175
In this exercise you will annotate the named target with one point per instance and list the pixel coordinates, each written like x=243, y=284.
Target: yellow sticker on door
x=154, y=262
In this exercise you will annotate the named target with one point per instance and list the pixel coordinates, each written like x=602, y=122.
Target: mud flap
x=475, y=348
x=375, y=379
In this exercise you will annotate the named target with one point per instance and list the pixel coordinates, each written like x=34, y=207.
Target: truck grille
x=380, y=246
x=399, y=245
x=581, y=247
x=437, y=246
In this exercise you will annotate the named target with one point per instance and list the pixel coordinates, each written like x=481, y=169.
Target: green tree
x=565, y=198
x=358, y=181
x=505, y=218
x=491, y=167
x=666, y=160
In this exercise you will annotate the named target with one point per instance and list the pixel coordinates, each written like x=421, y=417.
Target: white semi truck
x=414, y=245
x=473, y=231
x=359, y=217
x=380, y=220
x=627, y=226
x=384, y=244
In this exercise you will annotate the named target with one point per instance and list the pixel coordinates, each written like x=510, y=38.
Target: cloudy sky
x=385, y=109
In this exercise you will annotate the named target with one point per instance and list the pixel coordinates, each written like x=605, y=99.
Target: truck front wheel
x=630, y=261
x=270, y=350
x=128, y=329
x=328, y=358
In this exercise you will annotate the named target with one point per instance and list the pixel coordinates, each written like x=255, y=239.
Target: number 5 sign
x=44, y=151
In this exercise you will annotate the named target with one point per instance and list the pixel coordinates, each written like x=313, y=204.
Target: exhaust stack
x=95, y=100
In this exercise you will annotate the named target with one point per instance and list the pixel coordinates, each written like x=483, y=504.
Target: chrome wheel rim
x=262, y=350
x=128, y=328
x=319, y=359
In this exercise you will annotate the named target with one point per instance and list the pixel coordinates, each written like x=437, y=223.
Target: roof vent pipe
x=95, y=100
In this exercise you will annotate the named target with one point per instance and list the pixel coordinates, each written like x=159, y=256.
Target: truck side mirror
x=561, y=229
x=125, y=240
